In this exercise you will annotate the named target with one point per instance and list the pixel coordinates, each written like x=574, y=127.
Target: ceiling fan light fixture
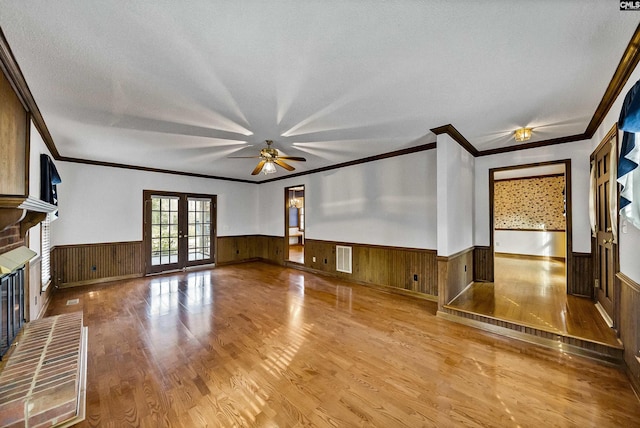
x=522, y=134
x=269, y=168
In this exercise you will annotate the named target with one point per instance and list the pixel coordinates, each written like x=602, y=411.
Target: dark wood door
x=605, y=247
x=179, y=230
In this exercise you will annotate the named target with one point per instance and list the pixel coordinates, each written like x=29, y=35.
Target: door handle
x=607, y=241
x=609, y=229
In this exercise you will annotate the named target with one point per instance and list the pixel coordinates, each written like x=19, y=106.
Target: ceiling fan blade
x=293, y=158
x=243, y=157
x=258, y=167
x=283, y=164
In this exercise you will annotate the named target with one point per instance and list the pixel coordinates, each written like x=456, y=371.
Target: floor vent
x=73, y=302
x=343, y=259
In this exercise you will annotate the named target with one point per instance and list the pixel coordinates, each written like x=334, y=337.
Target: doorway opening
x=179, y=230
x=294, y=224
x=535, y=283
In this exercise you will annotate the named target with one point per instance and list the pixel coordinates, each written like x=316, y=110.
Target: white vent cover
x=343, y=259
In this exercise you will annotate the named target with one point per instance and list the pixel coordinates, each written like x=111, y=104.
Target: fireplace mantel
x=25, y=210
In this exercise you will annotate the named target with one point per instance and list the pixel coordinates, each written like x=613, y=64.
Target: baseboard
x=99, y=280
x=384, y=288
x=605, y=316
x=529, y=257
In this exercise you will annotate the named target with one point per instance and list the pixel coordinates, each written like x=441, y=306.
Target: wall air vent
x=343, y=259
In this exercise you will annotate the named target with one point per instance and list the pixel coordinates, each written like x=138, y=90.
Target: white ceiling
x=182, y=85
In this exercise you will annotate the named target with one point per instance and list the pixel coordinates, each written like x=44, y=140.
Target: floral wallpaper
x=529, y=203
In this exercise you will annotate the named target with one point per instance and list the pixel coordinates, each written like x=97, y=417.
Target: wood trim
x=534, y=145
x=629, y=328
x=356, y=244
x=457, y=137
x=388, y=155
x=529, y=257
x=569, y=219
x=626, y=66
x=149, y=169
x=12, y=70
x=605, y=140
x=455, y=255
x=628, y=282
x=623, y=72
x=455, y=273
x=529, y=177
x=529, y=230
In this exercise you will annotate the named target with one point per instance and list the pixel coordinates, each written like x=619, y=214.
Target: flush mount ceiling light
x=522, y=134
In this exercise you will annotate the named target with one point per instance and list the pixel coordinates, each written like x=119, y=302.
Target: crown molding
x=10, y=67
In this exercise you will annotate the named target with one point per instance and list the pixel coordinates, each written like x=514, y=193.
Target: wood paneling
x=93, y=263
x=378, y=265
x=455, y=273
x=482, y=264
x=237, y=249
x=630, y=326
x=581, y=277
x=14, y=147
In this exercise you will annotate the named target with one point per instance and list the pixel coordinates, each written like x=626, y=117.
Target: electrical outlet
x=415, y=277
x=325, y=261
x=93, y=268
x=314, y=259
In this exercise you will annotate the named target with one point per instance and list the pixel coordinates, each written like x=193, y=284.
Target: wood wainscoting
x=408, y=269
x=455, y=273
x=483, y=264
x=581, y=275
x=244, y=248
x=630, y=326
x=94, y=263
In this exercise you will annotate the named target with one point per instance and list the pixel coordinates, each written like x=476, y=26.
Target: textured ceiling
x=183, y=85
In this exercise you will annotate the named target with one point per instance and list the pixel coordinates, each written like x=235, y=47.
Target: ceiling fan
x=269, y=158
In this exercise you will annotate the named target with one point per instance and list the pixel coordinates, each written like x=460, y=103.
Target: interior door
x=605, y=248
x=179, y=230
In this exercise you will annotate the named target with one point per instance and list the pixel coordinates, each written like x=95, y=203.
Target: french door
x=179, y=230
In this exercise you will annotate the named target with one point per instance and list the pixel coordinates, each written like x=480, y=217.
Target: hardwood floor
x=296, y=253
x=534, y=293
x=262, y=345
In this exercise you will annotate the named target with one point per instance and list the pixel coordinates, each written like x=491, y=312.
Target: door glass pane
x=199, y=227
x=164, y=230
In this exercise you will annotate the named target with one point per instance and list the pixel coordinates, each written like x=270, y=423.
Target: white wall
x=387, y=202
x=36, y=148
x=455, y=196
x=578, y=152
x=629, y=241
x=543, y=243
x=102, y=204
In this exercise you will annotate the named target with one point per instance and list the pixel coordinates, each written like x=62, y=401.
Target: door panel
x=179, y=230
x=605, y=248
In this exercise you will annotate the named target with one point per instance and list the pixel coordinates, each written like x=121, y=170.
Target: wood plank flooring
x=262, y=345
x=296, y=253
x=534, y=293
